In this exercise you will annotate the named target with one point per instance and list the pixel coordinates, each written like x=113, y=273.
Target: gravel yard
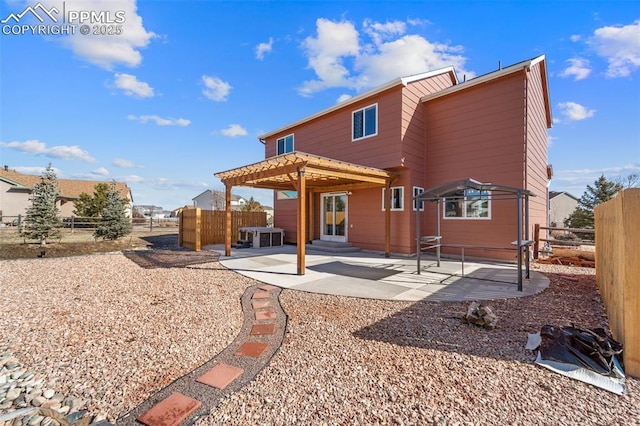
x=110, y=332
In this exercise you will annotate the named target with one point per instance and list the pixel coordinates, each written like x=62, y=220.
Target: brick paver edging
x=257, y=342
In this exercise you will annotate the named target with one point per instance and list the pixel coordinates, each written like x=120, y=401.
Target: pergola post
x=387, y=220
x=311, y=217
x=302, y=220
x=227, y=211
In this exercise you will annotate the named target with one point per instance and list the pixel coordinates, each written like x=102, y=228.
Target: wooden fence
x=617, y=224
x=199, y=227
x=537, y=239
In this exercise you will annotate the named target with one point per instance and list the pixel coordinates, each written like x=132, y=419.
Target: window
x=397, y=198
x=417, y=191
x=286, y=195
x=468, y=204
x=285, y=144
x=365, y=122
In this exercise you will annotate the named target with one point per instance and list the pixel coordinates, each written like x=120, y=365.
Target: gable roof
x=501, y=73
x=219, y=195
x=554, y=194
x=391, y=84
x=67, y=188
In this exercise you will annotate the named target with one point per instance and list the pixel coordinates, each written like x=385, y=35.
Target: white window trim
x=384, y=198
x=293, y=143
x=464, y=204
x=415, y=202
x=363, y=124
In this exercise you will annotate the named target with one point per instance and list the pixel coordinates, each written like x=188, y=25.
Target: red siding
x=330, y=135
x=478, y=133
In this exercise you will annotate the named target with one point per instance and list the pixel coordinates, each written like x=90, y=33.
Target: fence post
x=536, y=240
x=180, y=229
x=198, y=243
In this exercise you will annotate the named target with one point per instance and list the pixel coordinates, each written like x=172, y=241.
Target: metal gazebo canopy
x=498, y=192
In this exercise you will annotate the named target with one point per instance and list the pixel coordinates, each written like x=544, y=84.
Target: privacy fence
x=617, y=224
x=199, y=227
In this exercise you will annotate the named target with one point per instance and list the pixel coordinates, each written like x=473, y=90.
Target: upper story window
x=468, y=204
x=365, y=122
x=285, y=144
x=397, y=198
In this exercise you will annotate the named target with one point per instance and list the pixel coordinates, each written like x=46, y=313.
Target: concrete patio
x=370, y=275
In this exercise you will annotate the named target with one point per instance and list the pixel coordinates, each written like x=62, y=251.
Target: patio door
x=334, y=217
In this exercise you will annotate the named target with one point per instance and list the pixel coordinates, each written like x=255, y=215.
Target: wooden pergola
x=306, y=174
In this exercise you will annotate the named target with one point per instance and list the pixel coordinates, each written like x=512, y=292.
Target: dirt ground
x=77, y=243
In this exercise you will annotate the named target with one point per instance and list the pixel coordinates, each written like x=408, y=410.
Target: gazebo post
x=526, y=231
x=227, y=210
x=302, y=219
x=418, y=242
x=519, y=240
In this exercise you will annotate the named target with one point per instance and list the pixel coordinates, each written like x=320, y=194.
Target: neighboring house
x=421, y=131
x=149, y=210
x=561, y=205
x=15, y=193
x=214, y=200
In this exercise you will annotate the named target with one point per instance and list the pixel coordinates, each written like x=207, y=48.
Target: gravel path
x=110, y=332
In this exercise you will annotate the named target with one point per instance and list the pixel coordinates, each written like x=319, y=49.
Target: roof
x=219, y=194
x=554, y=194
x=498, y=74
x=404, y=81
x=67, y=188
x=450, y=188
x=321, y=174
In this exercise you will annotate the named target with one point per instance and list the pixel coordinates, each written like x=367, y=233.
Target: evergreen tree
x=42, y=219
x=252, y=206
x=92, y=206
x=114, y=223
x=603, y=190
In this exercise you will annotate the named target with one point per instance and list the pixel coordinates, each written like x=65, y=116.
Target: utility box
x=262, y=236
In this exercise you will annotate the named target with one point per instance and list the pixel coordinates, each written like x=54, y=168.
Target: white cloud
x=63, y=152
x=263, y=48
x=133, y=179
x=379, y=31
x=124, y=164
x=343, y=97
x=234, y=130
x=579, y=69
x=36, y=170
x=215, y=89
x=575, y=181
x=575, y=38
x=341, y=58
x=620, y=46
x=335, y=42
x=106, y=51
x=160, y=121
x=100, y=171
x=575, y=112
x=132, y=86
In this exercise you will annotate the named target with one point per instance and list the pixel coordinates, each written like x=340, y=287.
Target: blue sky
x=186, y=87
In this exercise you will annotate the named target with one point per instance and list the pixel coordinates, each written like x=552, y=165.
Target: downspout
x=527, y=69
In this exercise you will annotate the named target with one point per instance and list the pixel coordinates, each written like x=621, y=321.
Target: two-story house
x=358, y=164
